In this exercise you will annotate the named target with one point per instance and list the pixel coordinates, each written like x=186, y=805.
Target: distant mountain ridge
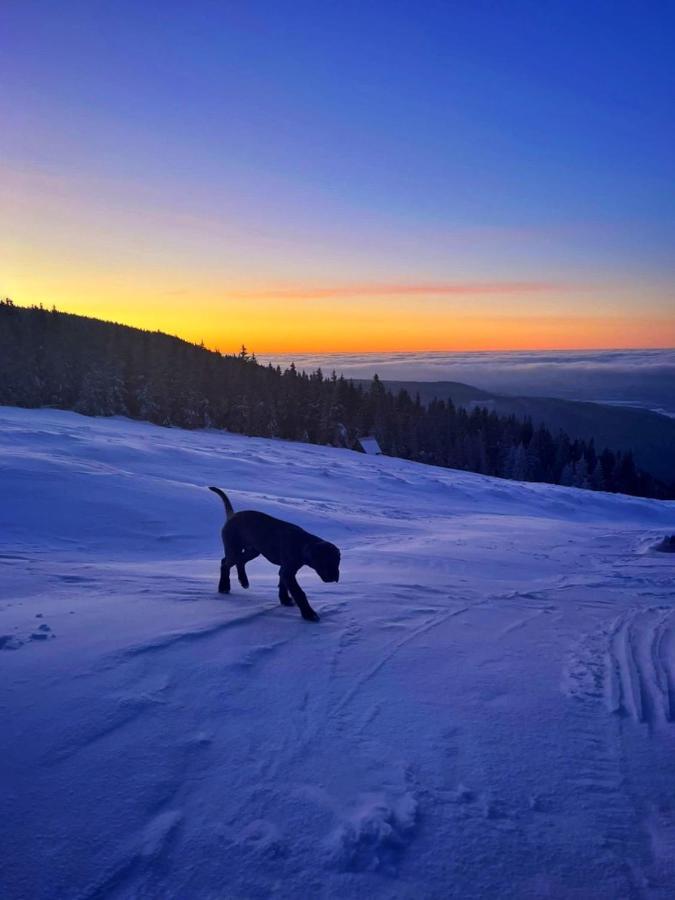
x=643, y=378
x=650, y=436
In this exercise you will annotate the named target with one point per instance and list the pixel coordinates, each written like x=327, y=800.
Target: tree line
x=51, y=358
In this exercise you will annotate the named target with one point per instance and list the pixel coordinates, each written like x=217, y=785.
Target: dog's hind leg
x=297, y=593
x=224, y=583
x=232, y=552
x=284, y=597
x=245, y=556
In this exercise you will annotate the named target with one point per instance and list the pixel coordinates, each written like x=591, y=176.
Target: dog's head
x=324, y=558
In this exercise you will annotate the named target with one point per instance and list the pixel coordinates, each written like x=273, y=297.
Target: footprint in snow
x=263, y=838
x=461, y=795
x=158, y=831
x=75, y=579
x=375, y=836
x=44, y=633
x=10, y=642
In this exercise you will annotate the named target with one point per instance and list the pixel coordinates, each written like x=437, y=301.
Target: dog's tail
x=229, y=511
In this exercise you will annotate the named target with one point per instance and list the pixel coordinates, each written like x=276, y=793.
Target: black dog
x=250, y=534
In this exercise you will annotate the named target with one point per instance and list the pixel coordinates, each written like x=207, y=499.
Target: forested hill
x=50, y=358
x=649, y=435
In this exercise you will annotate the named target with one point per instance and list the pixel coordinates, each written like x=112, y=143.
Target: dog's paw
x=222, y=589
x=311, y=616
x=244, y=584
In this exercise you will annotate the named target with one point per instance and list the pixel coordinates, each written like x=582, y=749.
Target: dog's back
x=274, y=538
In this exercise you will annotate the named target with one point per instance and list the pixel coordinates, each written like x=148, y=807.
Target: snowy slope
x=485, y=709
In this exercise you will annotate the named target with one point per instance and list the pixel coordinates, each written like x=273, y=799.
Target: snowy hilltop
x=486, y=708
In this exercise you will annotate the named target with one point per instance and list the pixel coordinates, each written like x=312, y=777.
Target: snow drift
x=485, y=709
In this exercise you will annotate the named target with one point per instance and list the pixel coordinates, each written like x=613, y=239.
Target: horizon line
x=316, y=352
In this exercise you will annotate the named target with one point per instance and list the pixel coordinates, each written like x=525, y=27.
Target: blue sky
x=225, y=149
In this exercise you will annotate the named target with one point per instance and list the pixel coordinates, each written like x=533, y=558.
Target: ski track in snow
x=485, y=710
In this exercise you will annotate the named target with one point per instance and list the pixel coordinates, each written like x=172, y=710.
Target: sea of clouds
x=634, y=377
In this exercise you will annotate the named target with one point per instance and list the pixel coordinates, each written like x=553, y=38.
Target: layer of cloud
x=641, y=377
x=404, y=289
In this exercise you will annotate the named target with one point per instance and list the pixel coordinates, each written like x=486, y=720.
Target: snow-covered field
x=486, y=709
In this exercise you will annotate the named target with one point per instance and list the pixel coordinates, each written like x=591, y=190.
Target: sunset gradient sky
x=348, y=176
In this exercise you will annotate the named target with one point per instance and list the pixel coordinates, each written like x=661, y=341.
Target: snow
x=486, y=708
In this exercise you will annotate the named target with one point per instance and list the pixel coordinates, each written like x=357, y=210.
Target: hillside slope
x=649, y=435
x=485, y=710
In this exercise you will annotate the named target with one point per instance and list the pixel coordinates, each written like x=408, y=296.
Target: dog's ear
x=311, y=551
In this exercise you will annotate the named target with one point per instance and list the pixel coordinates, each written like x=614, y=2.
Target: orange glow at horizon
x=454, y=333
x=269, y=327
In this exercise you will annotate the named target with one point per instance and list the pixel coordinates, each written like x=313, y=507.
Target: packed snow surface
x=486, y=708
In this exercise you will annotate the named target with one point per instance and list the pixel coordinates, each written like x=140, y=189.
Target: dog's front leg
x=291, y=582
x=245, y=556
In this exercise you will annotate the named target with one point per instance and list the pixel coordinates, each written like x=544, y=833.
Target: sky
x=344, y=176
